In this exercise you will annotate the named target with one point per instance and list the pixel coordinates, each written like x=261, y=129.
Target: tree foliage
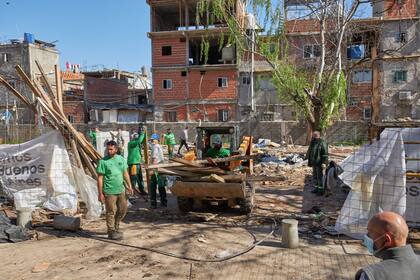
x=318, y=94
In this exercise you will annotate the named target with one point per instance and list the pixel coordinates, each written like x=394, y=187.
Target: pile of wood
x=48, y=104
x=207, y=171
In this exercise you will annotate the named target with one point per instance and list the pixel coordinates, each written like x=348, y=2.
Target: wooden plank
x=411, y=174
x=88, y=164
x=217, y=160
x=22, y=98
x=203, y=189
x=59, y=91
x=213, y=170
x=412, y=142
x=186, y=162
x=75, y=153
x=45, y=80
x=217, y=178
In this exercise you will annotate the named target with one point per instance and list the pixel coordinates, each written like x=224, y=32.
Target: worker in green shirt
x=134, y=160
x=92, y=135
x=112, y=173
x=317, y=156
x=217, y=151
x=170, y=142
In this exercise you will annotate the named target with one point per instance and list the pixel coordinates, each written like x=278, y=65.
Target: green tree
x=319, y=93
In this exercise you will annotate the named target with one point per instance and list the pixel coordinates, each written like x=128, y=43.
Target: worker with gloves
x=217, y=151
x=156, y=181
x=134, y=160
x=317, y=157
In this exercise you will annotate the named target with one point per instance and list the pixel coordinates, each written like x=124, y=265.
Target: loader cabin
x=206, y=136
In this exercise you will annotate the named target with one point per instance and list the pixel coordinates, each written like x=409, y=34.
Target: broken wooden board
x=217, y=178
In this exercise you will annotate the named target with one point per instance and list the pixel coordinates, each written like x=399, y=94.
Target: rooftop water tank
x=228, y=53
x=29, y=38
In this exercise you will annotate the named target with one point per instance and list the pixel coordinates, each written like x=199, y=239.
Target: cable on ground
x=161, y=252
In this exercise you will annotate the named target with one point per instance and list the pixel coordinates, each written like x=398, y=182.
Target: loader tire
x=247, y=204
x=185, y=204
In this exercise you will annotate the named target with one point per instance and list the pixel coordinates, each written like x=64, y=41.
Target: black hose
x=234, y=255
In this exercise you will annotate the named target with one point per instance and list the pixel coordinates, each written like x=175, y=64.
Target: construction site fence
x=340, y=133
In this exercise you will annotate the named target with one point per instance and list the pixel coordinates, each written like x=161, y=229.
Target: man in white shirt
x=183, y=139
x=156, y=181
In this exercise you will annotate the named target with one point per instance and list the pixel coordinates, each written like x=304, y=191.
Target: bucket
x=24, y=217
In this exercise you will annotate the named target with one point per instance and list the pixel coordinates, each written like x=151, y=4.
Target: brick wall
x=393, y=9
x=209, y=86
x=76, y=109
x=106, y=90
x=199, y=111
x=178, y=91
x=177, y=57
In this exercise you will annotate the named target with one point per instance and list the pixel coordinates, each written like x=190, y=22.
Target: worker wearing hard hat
x=217, y=151
x=156, y=181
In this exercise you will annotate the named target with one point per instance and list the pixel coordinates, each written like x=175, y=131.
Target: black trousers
x=183, y=143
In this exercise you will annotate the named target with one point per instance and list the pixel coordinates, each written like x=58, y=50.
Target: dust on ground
x=55, y=254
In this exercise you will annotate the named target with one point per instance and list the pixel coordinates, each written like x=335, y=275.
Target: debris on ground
x=10, y=232
x=40, y=267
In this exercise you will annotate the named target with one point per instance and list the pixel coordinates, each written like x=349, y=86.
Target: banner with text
x=38, y=173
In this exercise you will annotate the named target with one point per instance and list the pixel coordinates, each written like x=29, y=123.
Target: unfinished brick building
x=383, y=58
x=183, y=87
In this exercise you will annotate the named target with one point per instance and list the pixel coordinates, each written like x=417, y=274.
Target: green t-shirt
x=92, y=135
x=134, y=152
x=170, y=139
x=222, y=153
x=112, y=168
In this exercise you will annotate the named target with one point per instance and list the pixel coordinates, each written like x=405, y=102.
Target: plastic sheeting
x=38, y=173
x=88, y=193
x=376, y=175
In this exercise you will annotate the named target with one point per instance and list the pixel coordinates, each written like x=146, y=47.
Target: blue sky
x=89, y=32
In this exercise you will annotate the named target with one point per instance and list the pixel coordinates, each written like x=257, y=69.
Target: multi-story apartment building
x=24, y=53
x=383, y=58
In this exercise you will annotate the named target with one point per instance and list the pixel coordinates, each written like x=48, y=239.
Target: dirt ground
x=202, y=235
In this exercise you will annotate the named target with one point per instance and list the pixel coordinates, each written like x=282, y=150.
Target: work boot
x=315, y=190
x=320, y=192
x=114, y=235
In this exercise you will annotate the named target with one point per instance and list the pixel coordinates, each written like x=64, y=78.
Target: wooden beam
x=76, y=153
x=186, y=162
x=217, y=178
x=45, y=80
x=58, y=87
x=22, y=98
x=217, y=160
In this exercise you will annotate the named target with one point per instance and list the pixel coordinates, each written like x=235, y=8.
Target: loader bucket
x=208, y=190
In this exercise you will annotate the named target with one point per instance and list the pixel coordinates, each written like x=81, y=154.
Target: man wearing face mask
x=317, y=156
x=386, y=239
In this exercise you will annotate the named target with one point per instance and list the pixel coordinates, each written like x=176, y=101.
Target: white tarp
x=376, y=175
x=412, y=150
x=38, y=173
